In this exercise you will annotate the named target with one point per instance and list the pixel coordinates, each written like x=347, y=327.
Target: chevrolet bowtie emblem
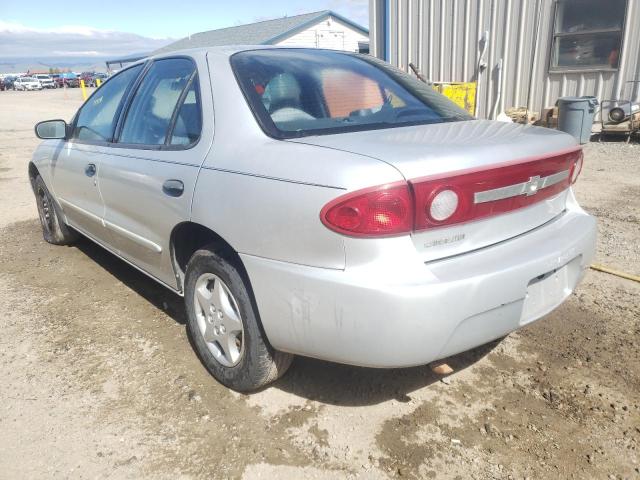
x=532, y=186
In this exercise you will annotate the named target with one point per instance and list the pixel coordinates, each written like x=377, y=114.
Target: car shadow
x=346, y=385
x=307, y=378
x=159, y=296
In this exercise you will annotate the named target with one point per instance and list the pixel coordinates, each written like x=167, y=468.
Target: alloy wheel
x=219, y=319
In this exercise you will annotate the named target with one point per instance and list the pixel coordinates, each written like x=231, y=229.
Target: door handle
x=173, y=188
x=90, y=170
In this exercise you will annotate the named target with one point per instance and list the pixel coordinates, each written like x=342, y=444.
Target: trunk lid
x=447, y=149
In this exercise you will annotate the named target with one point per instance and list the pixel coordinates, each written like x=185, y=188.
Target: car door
x=76, y=168
x=147, y=181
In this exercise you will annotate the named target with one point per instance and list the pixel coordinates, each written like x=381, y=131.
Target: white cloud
x=15, y=27
x=76, y=53
x=355, y=10
x=18, y=40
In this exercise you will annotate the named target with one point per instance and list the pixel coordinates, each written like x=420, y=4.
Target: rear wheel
x=54, y=230
x=224, y=325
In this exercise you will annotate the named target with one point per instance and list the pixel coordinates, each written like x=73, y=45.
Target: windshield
x=299, y=92
x=28, y=79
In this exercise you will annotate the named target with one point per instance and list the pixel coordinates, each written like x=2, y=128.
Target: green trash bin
x=575, y=116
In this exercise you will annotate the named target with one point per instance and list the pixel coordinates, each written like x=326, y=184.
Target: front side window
x=150, y=116
x=97, y=119
x=588, y=34
x=298, y=92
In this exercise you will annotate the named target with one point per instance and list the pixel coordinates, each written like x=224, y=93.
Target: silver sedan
x=318, y=203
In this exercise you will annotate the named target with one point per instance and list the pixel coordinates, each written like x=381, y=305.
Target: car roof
x=223, y=51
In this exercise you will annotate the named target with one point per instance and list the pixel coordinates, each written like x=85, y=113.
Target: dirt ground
x=98, y=380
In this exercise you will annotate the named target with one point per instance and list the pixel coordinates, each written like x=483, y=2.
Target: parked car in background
x=8, y=82
x=68, y=80
x=343, y=210
x=27, y=83
x=91, y=79
x=45, y=80
x=88, y=78
x=2, y=85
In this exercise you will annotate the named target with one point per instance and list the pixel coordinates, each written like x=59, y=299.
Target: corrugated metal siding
x=442, y=38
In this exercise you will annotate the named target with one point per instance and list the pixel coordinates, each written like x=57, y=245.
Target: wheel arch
x=33, y=173
x=188, y=237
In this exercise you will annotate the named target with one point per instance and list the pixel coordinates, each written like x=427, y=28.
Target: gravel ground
x=98, y=380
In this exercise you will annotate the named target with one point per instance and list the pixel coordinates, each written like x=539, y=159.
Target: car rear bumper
x=392, y=316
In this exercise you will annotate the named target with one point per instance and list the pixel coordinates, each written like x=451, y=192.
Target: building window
x=588, y=34
x=363, y=47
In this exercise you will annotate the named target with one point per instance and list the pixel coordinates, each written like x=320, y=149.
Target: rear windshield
x=300, y=92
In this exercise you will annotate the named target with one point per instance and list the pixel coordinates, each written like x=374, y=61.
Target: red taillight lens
x=374, y=212
x=577, y=168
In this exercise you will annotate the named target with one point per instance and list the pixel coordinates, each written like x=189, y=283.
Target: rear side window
x=298, y=92
x=96, y=120
x=152, y=110
x=188, y=122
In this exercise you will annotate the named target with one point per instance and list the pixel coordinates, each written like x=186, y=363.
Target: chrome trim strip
x=530, y=187
x=133, y=237
x=87, y=213
x=553, y=179
x=115, y=228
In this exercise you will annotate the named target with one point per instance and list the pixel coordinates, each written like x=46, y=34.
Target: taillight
x=577, y=168
x=442, y=200
x=477, y=194
x=374, y=212
x=444, y=205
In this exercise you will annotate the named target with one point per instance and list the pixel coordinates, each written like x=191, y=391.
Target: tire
x=248, y=362
x=54, y=230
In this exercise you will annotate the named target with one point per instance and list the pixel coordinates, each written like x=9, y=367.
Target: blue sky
x=46, y=28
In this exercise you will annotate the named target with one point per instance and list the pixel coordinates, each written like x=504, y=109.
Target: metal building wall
x=443, y=39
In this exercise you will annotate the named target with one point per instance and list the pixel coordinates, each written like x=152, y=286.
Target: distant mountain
x=76, y=64
x=16, y=65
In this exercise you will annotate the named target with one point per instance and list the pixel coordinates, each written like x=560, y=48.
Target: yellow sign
x=462, y=94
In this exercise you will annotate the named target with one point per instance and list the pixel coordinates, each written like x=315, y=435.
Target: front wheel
x=224, y=325
x=54, y=230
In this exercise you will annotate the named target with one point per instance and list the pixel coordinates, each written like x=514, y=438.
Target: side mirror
x=51, y=129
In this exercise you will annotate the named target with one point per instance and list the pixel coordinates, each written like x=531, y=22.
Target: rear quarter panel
x=264, y=196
